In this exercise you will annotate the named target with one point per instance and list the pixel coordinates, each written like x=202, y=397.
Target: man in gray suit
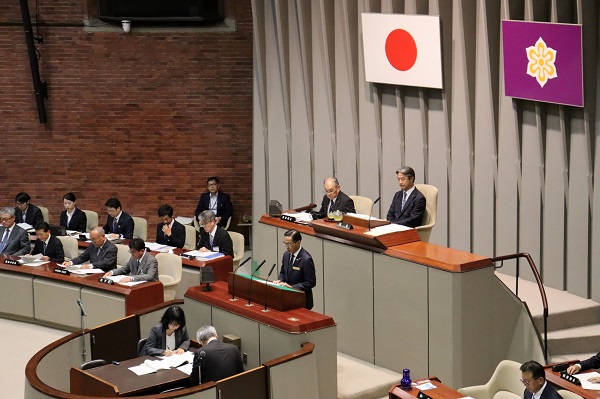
x=142, y=266
x=101, y=254
x=13, y=239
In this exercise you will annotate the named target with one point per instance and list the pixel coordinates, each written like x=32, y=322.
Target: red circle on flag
x=401, y=49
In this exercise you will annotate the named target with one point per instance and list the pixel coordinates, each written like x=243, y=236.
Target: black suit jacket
x=78, y=220
x=301, y=275
x=54, y=249
x=224, y=206
x=221, y=240
x=177, y=238
x=220, y=361
x=342, y=203
x=414, y=208
x=124, y=227
x=157, y=341
x=33, y=217
x=591, y=363
x=17, y=242
x=106, y=259
x=548, y=393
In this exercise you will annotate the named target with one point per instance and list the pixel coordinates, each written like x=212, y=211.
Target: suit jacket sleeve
x=127, y=226
x=591, y=363
x=108, y=224
x=109, y=259
x=348, y=205
x=151, y=265
x=56, y=251
x=84, y=257
x=324, y=204
x=177, y=238
x=23, y=242
x=204, y=241
x=80, y=221
x=415, y=216
x=225, y=210
x=390, y=214
x=283, y=266
x=310, y=276
x=225, y=243
x=123, y=270
x=195, y=375
x=154, y=345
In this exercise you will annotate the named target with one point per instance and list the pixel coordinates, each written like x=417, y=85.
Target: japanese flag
x=402, y=49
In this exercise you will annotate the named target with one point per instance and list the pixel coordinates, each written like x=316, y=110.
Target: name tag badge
x=295, y=268
x=215, y=249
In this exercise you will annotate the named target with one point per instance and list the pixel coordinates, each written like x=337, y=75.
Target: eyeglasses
x=6, y=219
x=288, y=244
x=330, y=191
x=527, y=382
x=211, y=184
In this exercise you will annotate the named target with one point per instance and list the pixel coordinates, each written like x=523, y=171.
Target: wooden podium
x=277, y=297
x=357, y=234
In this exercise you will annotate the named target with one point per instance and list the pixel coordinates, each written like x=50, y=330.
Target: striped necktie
x=403, y=199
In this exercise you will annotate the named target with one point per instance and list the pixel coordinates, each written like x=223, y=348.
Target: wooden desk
x=50, y=298
x=554, y=378
x=440, y=392
x=117, y=380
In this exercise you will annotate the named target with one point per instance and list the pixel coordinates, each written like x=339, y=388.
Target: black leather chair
x=93, y=363
x=140, y=346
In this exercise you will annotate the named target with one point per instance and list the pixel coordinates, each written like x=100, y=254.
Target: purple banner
x=543, y=62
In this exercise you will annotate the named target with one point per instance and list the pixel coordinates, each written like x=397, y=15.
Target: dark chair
x=92, y=364
x=140, y=346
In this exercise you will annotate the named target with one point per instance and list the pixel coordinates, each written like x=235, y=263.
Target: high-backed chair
x=69, y=246
x=228, y=224
x=238, y=247
x=140, y=228
x=45, y=213
x=92, y=219
x=505, y=383
x=169, y=273
x=428, y=221
x=123, y=254
x=190, y=237
x=362, y=205
x=140, y=346
x=93, y=363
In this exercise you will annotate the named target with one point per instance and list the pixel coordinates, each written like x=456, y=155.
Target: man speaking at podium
x=297, y=267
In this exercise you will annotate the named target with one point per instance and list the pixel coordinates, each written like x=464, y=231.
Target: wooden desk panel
x=554, y=378
x=440, y=392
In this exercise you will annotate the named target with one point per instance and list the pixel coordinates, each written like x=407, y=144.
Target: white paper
x=386, y=229
x=585, y=384
x=86, y=271
x=184, y=220
x=36, y=263
x=152, y=246
x=208, y=254
x=425, y=386
x=30, y=258
x=192, y=253
x=25, y=226
x=117, y=279
x=302, y=217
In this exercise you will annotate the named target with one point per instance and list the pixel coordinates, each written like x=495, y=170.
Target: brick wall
x=145, y=117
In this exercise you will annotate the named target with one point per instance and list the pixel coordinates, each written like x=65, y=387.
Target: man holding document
x=142, y=266
x=101, y=254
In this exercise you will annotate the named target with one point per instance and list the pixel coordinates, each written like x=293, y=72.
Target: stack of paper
x=386, y=229
x=182, y=362
x=152, y=246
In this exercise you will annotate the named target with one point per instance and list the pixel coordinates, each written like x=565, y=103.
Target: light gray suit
x=147, y=270
x=18, y=241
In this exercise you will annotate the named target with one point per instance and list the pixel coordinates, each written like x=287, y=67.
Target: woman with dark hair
x=170, y=336
x=72, y=217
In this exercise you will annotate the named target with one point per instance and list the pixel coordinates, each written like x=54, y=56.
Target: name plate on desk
x=106, y=280
x=288, y=218
x=12, y=262
x=570, y=378
x=60, y=270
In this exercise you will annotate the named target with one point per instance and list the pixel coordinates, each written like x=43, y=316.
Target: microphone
x=233, y=278
x=266, y=286
x=83, y=313
x=370, y=213
x=252, y=278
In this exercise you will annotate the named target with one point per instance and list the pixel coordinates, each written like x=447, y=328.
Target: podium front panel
x=229, y=323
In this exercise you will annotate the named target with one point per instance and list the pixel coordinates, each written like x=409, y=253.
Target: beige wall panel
x=401, y=326
x=197, y=314
x=578, y=215
x=265, y=248
x=17, y=293
x=102, y=307
x=229, y=323
x=552, y=259
x=530, y=233
x=414, y=127
x=341, y=266
x=56, y=302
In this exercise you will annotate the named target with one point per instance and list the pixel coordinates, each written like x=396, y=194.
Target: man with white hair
x=13, y=239
x=214, y=360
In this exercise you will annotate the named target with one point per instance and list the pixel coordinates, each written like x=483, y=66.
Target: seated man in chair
x=534, y=379
x=215, y=360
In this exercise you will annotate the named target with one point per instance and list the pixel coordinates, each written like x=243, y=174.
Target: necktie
x=98, y=253
x=115, y=224
x=24, y=216
x=138, y=267
x=330, y=206
x=292, y=260
x=210, y=240
x=4, y=240
x=44, y=249
x=403, y=199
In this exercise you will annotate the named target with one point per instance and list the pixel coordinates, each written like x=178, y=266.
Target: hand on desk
x=113, y=236
x=282, y=283
x=574, y=368
x=169, y=352
x=45, y=258
x=203, y=249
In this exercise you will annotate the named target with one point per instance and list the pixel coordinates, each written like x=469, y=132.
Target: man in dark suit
x=101, y=254
x=591, y=363
x=169, y=232
x=13, y=239
x=215, y=360
x=216, y=201
x=534, y=379
x=297, y=267
x=408, y=205
x=48, y=245
x=118, y=222
x=334, y=199
x=26, y=212
x=142, y=265
x=213, y=237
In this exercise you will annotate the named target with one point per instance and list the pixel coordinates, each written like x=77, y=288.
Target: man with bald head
x=101, y=254
x=334, y=199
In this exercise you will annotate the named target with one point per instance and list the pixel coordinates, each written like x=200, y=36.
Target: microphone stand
x=266, y=286
x=83, y=349
x=233, y=279
x=252, y=278
x=200, y=357
x=371, y=213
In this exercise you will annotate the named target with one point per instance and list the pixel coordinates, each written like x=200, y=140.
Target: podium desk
x=267, y=335
x=117, y=380
x=50, y=298
x=554, y=378
x=440, y=391
x=259, y=291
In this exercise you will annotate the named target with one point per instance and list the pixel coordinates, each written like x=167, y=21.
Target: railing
x=538, y=280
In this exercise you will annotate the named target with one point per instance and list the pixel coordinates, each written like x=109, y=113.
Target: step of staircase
x=584, y=339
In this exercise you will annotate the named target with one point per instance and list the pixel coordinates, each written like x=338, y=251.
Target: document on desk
x=301, y=217
x=36, y=263
x=152, y=246
x=76, y=269
x=165, y=363
x=204, y=255
x=585, y=384
x=30, y=258
x=117, y=279
x=25, y=226
x=386, y=229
